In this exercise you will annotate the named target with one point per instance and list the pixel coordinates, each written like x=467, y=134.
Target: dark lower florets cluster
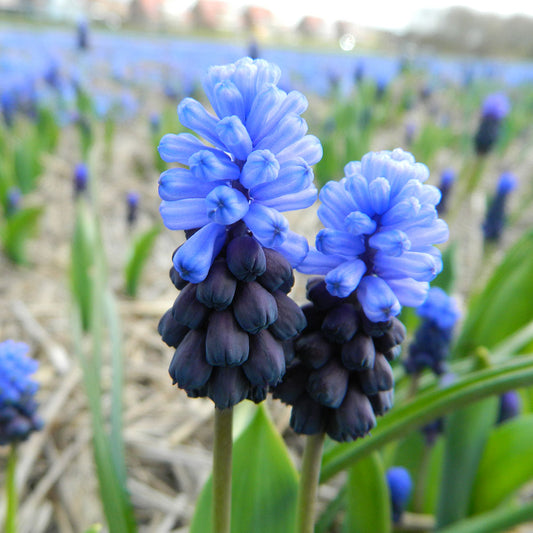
x=19, y=420
x=230, y=330
x=429, y=349
x=340, y=378
x=487, y=135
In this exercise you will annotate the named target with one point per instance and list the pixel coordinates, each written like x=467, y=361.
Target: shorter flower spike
x=495, y=108
x=510, y=406
x=400, y=488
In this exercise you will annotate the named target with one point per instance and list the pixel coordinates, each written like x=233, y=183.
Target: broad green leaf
x=427, y=406
x=506, y=464
x=139, y=254
x=264, y=483
x=368, y=507
x=506, y=303
x=83, y=260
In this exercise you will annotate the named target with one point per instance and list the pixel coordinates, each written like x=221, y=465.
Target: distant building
x=312, y=26
x=209, y=14
x=257, y=18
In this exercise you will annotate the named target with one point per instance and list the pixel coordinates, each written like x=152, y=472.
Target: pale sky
x=394, y=15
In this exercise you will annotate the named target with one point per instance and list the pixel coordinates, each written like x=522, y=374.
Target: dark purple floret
x=266, y=364
x=340, y=323
x=189, y=368
x=317, y=293
x=245, y=258
x=359, y=353
x=226, y=343
x=171, y=332
x=218, y=288
x=278, y=272
x=354, y=418
x=307, y=416
x=291, y=319
x=176, y=279
x=187, y=310
x=228, y=386
x=254, y=307
x=328, y=384
x=314, y=350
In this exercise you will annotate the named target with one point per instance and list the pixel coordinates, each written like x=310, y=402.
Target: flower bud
x=340, y=323
x=245, y=257
x=266, y=363
x=189, y=368
x=313, y=349
x=227, y=387
x=353, y=419
x=226, y=344
x=187, y=310
x=327, y=385
x=291, y=319
x=218, y=288
x=171, y=332
x=359, y=353
x=254, y=307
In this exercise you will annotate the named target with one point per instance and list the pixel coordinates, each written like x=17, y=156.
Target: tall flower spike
x=18, y=409
x=380, y=226
x=232, y=319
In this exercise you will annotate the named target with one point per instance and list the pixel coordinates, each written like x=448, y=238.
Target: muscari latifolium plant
x=233, y=325
x=18, y=415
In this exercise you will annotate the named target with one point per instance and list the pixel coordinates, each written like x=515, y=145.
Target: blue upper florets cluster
x=256, y=164
x=496, y=106
x=17, y=407
x=380, y=226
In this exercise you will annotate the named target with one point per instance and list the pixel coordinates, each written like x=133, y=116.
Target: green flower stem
x=222, y=461
x=429, y=405
x=11, y=492
x=419, y=495
x=307, y=492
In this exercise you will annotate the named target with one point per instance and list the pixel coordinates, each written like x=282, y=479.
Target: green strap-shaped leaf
x=139, y=254
x=264, y=483
x=467, y=431
x=506, y=303
x=368, y=507
x=506, y=464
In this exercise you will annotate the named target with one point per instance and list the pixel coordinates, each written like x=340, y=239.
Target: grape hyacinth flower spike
x=252, y=162
x=495, y=218
x=495, y=108
x=376, y=254
x=400, y=487
x=431, y=345
x=18, y=409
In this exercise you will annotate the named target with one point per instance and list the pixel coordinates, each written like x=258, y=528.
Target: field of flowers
x=85, y=255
